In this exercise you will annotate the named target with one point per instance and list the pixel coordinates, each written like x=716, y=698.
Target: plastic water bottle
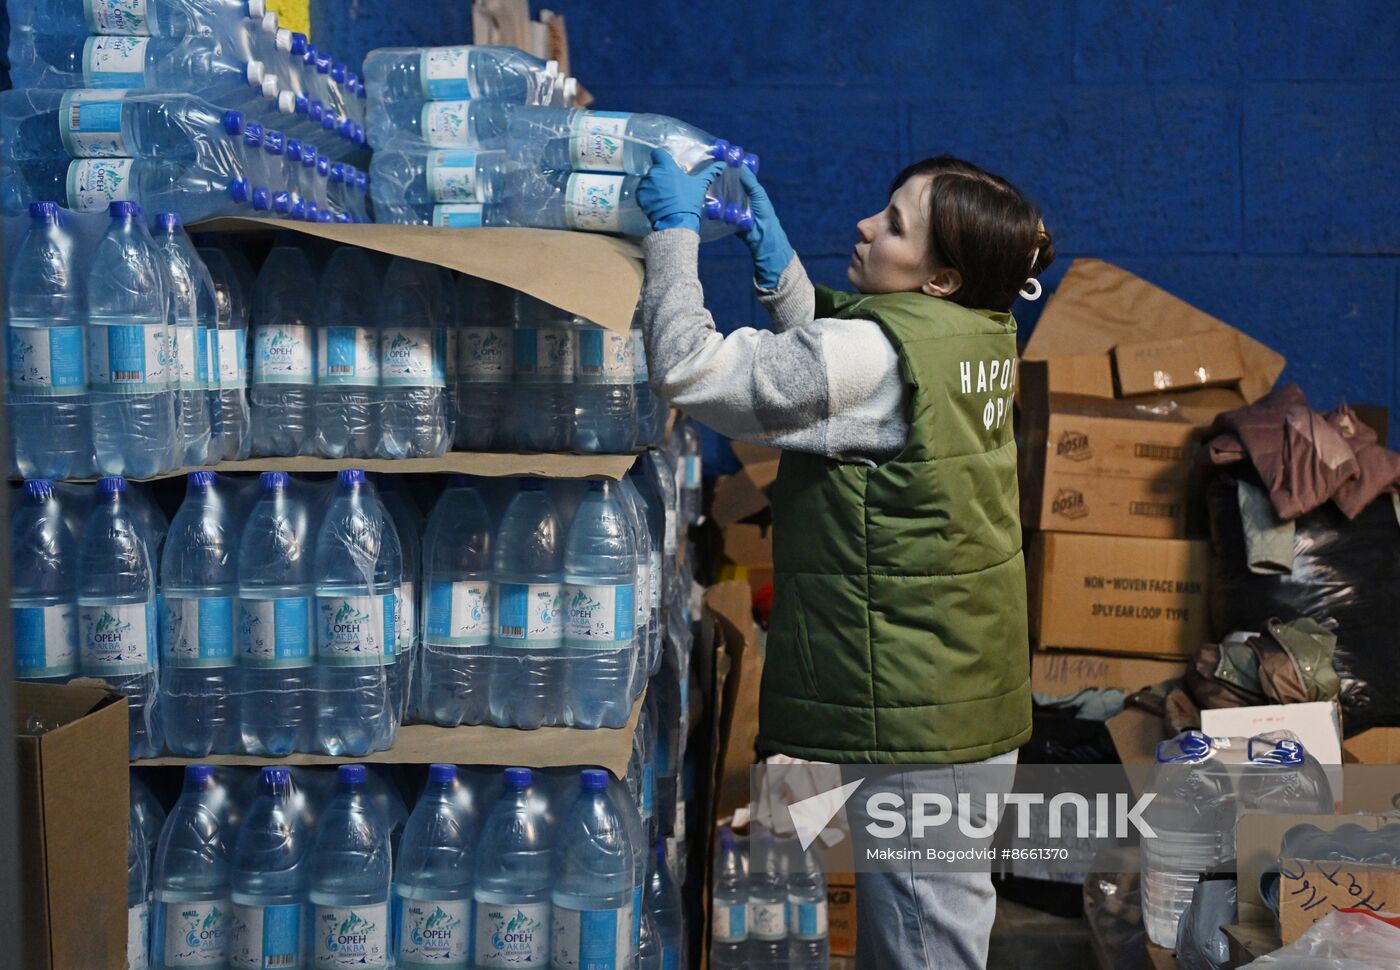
x=160, y=185
x=542, y=396
x=199, y=65
x=663, y=903
x=648, y=404
x=514, y=874
x=276, y=645
x=352, y=625
x=426, y=178
x=148, y=813
x=592, y=898
x=133, y=419
x=689, y=473
x=137, y=896
x=474, y=123
x=807, y=916
x=397, y=571
x=48, y=399
x=600, y=640
x=651, y=504
x=43, y=587
x=268, y=880
x=156, y=18
x=117, y=611
x=191, y=366
x=412, y=352
x=433, y=875
x=641, y=779
x=191, y=878
x=768, y=899
x=729, y=927
x=49, y=123
x=230, y=419
x=443, y=73
x=641, y=597
x=605, y=410
x=284, y=352
x=484, y=364
x=347, y=360
x=648, y=581
x=563, y=139
x=527, y=689
x=199, y=583
x=583, y=201
x=350, y=874
x=456, y=665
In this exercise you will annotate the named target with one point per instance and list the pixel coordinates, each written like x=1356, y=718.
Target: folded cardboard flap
x=590, y=275
x=1098, y=306
x=58, y=708
x=1210, y=358
x=1376, y=746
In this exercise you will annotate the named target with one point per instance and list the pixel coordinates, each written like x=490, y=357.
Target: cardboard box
x=1207, y=359
x=1377, y=746
x=1119, y=595
x=1102, y=466
x=1063, y=673
x=1098, y=306
x=1318, y=725
x=1087, y=374
x=841, y=915
x=1250, y=941
x=743, y=494
x=72, y=785
x=1310, y=890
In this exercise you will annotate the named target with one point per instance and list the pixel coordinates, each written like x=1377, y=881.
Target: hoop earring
x=1034, y=288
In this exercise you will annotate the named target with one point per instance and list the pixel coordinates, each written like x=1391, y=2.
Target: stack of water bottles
x=1203, y=784
x=201, y=107
x=491, y=868
x=768, y=904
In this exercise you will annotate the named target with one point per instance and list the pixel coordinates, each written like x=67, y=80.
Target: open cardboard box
x=744, y=493
x=72, y=785
x=1062, y=673
x=1210, y=358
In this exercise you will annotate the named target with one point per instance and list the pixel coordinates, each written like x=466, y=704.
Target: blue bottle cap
x=274, y=142
x=745, y=222
x=714, y=208
x=302, y=105
x=661, y=850
x=325, y=215
x=167, y=221
x=351, y=476
x=361, y=93
x=338, y=173
x=282, y=203
x=352, y=79
x=734, y=156
x=252, y=132
x=350, y=774
x=323, y=64
x=343, y=217
x=198, y=774
x=202, y=480
x=751, y=162
x=733, y=213
x=315, y=110
x=726, y=838
x=346, y=129
x=271, y=481
x=718, y=149
x=238, y=190
x=123, y=209
x=531, y=485
x=359, y=137
x=308, y=156
x=442, y=774
x=328, y=121
x=311, y=52
x=233, y=123
x=338, y=73
x=299, y=210
x=313, y=212
x=323, y=164
x=294, y=149
x=299, y=42
x=262, y=199
x=518, y=779
x=38, y=488
x=43, y=210
x=593, y=779
x=274, y=777
x=111, y=484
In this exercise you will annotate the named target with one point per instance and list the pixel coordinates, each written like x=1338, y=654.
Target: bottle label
x=447, y=124
x=730, y=924
x=461, y=215
x=670, y=544
x=459, y=614
x=265, y=937
x=349, y=357
x=767, y=921
x=230, y=364
x=514, y=935
x=450, y=354
x=597, y=140
x=90, y=124
x=599, y=616
x=352, y=631
x=351, y=936
x=593, y=203
x=283, y=355
x=691, y=468
x=187, y=358
x=806, y=921
x=434, y=933
x=407, y=358
x=670, y=957
x=405, y=616
x=544, y=355
x=274, y=632
x=532, y=614
x=642, y=595
x=117, y=639
x=197, y=631
x=640, y=374
x=484, y=355
x=93, y=183
x=444, y=73
x=47, y=361
x=592, y=939
x=46, y=640
x=137, y=937
x=191, y=934
x=655, y=579
x=452, y=176
x=604, y=357
x=648, y=789
x=201, y=358
x=115, y=62
x=389, y=610
x=117, y=16
x=128, y=358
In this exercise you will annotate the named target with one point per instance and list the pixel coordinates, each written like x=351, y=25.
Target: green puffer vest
x=898, y=632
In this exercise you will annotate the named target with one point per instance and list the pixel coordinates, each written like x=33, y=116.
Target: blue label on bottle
x=458, y=215
x=46, y=640
x=597, y=948
x=391, y=625
x=349, y=355
x=670, y=957
x=274, y=632
x=201, y=357
x=197, y=631
x=637, y=915
x=281, y=935
x=648, y=789
x=444, y=73
x=129, y=358
x=46, y=361
x=532, y=613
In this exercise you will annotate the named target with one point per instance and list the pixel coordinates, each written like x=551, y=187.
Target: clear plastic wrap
x=1345, y=575
x=1338, y=941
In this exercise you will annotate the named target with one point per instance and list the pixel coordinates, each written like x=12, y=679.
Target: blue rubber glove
x=672, y=199
x=766, y=240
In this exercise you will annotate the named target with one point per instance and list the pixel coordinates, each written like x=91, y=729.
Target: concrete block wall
x=1243, y=155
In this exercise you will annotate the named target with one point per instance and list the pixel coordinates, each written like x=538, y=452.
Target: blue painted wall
x=1243, y=155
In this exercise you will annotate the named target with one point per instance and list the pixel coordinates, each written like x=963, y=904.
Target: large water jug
x=350, y=870
x=192, y=321
x=514, y=875
x=189, y=926
x=440, y=73
x=433, y=877
x=268, y=880
x=592, y=896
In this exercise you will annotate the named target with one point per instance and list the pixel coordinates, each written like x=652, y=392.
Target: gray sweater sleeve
x=793, y=302
x=829, y=387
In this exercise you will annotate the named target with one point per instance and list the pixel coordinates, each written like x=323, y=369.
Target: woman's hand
x=766, y=240
x=672, y=199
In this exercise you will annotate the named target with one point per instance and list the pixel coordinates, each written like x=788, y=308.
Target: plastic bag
x=1338, y=941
